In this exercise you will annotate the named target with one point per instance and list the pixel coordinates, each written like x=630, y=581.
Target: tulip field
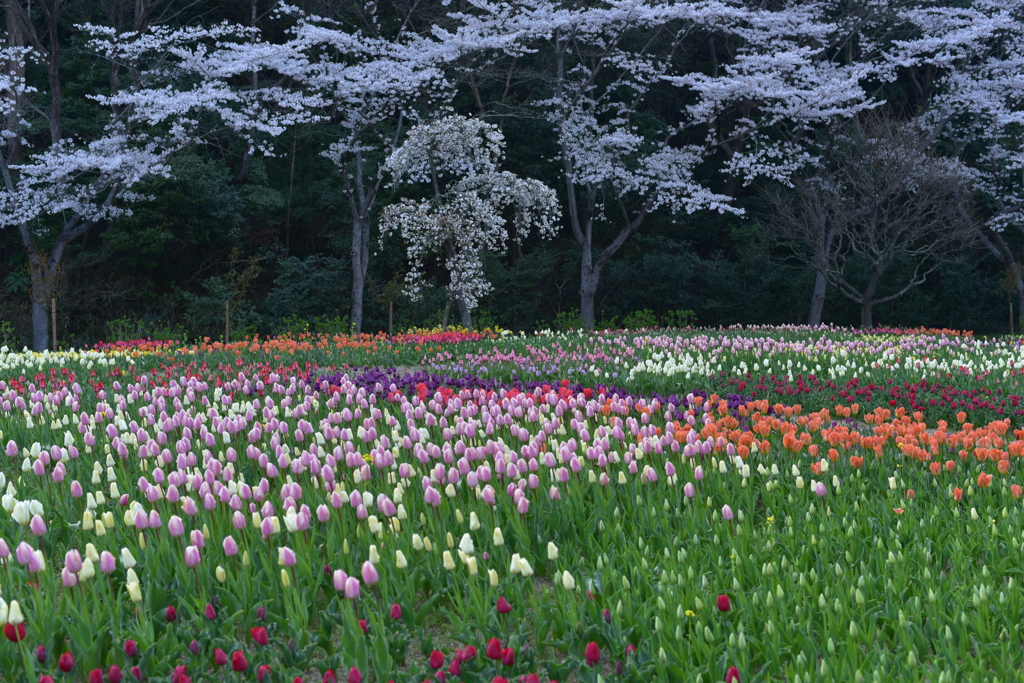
x=749, y=504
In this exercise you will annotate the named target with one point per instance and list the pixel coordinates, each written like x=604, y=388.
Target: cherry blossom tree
x=977, y=101
x=54, y=193
x=611, y=62
x=466, y=215
x=372, y=83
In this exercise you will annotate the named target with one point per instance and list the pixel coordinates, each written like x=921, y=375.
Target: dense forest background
x=274, y=245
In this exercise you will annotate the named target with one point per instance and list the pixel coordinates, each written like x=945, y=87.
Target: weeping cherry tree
x=469, y=210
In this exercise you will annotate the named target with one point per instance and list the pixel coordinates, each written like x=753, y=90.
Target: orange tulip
x=984, y=480
x=856, y=461
x=936, y=468
x=1003, y=466
x=1015, y=490
x=958, y=494
x=950, y=465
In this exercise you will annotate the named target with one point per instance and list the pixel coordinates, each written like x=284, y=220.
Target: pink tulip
x=73, y=561
x=175, y=526
x=352, y=588
x=37, y=526
x=192, y=557
x=230, y=546
x=370, y=575
x=107, y=562
x=340, y=579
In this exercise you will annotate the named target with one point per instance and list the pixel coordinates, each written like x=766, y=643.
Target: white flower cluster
x=467, y=215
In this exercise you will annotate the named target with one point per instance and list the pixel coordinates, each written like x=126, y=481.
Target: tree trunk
x=868, y=299
x=817, y=299
x=1020, y=300
x=589, y=279
x=40, y=325
x=465, y=314
x=360, y=266
x=865, y=315
x=42, y=272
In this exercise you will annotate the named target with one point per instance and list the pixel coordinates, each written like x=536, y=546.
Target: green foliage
x=307, y=288
x=127, y=328
x=7, y=336
x=640, y=320
x=679, y=319
x=568, y=320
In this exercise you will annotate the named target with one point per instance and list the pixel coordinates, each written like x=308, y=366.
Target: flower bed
x=184, y=517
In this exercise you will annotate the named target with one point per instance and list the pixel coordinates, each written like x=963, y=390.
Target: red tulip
x=329, y=677
x=396, y=611
x=723, y=603
x=171, y=613
x=530, y=678
x=262, y=672
x=297, y=679
x=364, y=626
x=630, y=649
x=455, y=667
x=499, y=679
x=45, y=679
x=238, y=661
x=592, y=653
x=732, y=675
x=508, y=657
x=503, y=606
x=137, y=673
x=259, y=635
x=66, y=662
x=179, y=673
x=494, y=649
x=41, y=654
x=15, y=634
x=220, y=658
x=436, y=660
x=261, y=613
x=114, y=674
x=355, y=675
x=210, y=612
x=95, y=676
x=131, y=648
x=469, y=653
